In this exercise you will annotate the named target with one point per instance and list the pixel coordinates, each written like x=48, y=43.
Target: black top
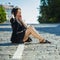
x=16, y=27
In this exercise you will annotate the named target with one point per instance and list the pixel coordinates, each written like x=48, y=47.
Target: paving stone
x=6, y=48
x=33, y=50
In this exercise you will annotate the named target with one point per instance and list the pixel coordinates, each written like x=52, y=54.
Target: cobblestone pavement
x=6, y=48
x=33, y=50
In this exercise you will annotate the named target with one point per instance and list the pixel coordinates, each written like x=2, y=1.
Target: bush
x=2, y=14
x=53, y=20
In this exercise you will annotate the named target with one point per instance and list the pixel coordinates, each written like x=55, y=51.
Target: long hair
x=14, y=11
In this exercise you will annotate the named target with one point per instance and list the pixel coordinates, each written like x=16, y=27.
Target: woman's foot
x=45, y=41
x=28, y=40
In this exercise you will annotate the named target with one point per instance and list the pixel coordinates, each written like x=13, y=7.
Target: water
x=45, y=28
x=49, y=28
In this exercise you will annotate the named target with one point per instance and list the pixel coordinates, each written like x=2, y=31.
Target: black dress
x=18, y=32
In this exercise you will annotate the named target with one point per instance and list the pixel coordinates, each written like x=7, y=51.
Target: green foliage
x=53, y=20
x=50, y=11
x=2, y=14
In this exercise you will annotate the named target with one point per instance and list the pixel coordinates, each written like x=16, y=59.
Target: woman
x=21, y=32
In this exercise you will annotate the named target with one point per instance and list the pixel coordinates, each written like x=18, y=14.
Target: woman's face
x=18, y=15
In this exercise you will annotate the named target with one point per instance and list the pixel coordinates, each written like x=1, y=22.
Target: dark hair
x=14, y=11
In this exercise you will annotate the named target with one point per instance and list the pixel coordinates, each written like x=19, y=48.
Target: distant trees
x=2, y=14
x=49, y=11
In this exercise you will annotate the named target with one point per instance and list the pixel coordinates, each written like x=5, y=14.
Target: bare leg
x=31, y=31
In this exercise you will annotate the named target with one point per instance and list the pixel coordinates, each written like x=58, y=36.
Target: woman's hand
x=20, y=17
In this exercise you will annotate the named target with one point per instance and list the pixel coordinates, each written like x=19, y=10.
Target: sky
x=28, y=7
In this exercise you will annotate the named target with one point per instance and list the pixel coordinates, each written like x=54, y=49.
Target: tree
x=50, y=11
x=2, y=14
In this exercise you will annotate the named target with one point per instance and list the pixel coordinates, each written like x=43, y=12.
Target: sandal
x=46, y=41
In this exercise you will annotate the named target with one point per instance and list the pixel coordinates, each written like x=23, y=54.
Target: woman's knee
x=30, y=27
